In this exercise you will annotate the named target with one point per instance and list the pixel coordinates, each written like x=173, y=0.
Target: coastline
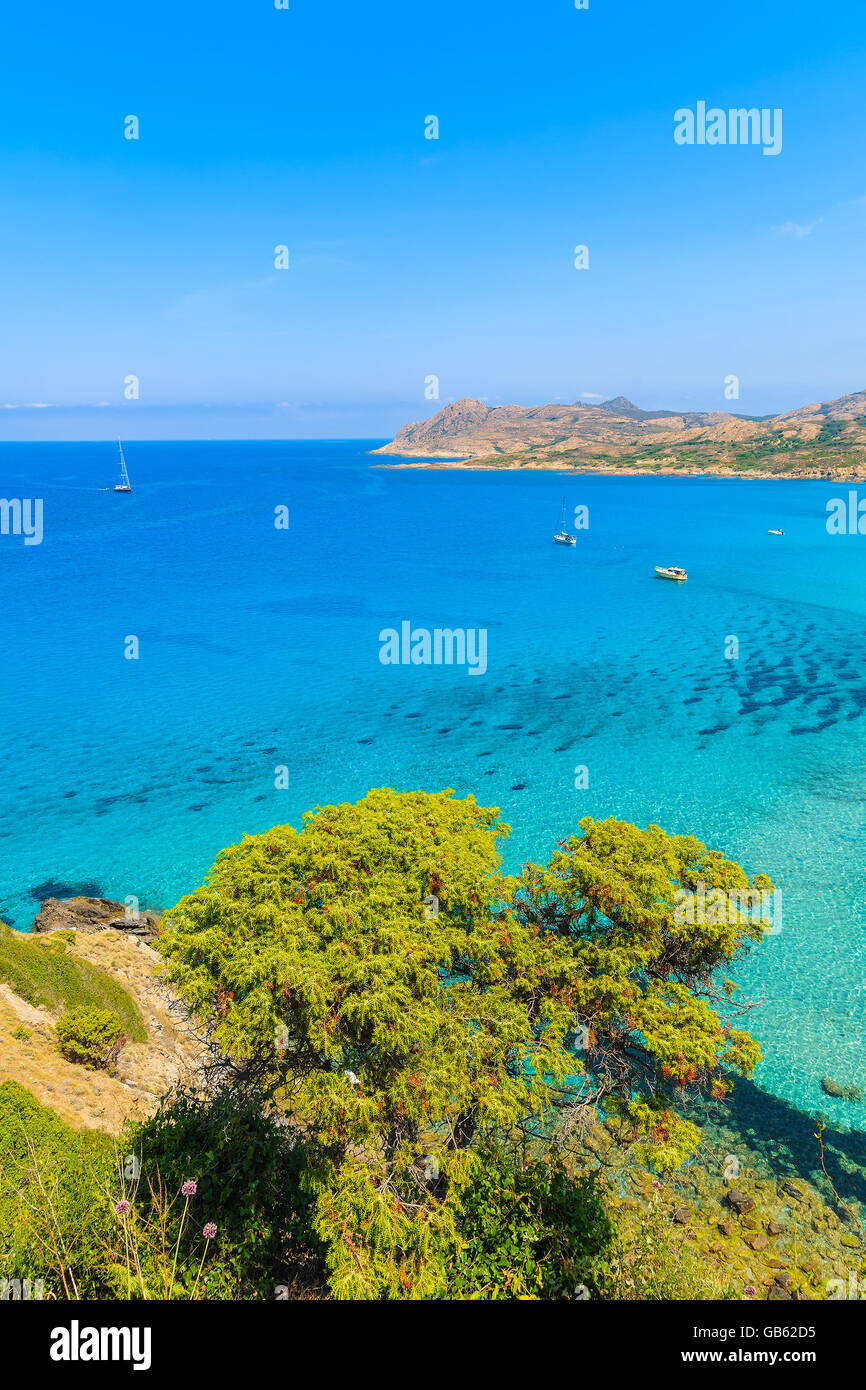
x=482, y=465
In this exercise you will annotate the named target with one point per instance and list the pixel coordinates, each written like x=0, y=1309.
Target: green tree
x=642, y=975
x=411, y=1006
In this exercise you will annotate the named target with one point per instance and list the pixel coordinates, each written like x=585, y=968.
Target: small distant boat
x=671, y=572
x=775, y=533
x=123, y=485
x=562, y=537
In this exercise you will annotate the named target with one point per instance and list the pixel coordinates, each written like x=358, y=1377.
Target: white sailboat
x=123, y=485
x=563, y=538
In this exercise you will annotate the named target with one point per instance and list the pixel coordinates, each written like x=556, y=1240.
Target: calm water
x=260, y=648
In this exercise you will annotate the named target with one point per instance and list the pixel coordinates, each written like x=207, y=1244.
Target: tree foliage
x=90, y=1036
x=405, y=1037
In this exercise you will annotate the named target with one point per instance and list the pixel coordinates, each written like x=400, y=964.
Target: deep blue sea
x=259, y=648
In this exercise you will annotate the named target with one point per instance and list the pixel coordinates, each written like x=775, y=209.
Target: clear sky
x=412, y=257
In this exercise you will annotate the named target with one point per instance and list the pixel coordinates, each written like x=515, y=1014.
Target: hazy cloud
x=798, y=229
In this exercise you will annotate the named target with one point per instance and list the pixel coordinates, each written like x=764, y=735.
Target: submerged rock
x=757, y=1240
x=835, y=1088
x=740, y=1201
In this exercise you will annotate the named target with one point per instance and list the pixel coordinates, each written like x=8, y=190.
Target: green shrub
x=21, y=1033
x=90, y=1036
x=530, y=1230
x=248, y=1168
x=62, y=1195
x=48, y=977
x=66, y=934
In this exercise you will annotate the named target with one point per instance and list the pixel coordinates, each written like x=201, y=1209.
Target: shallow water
x=259, y=648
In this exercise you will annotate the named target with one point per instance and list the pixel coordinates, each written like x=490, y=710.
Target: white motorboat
x=671, y=572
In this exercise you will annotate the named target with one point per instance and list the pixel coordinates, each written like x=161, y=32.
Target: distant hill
x=617, y=434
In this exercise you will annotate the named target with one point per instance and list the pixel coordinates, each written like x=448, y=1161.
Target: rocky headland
x=820, y=440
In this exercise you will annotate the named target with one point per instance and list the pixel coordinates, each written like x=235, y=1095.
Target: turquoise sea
x=259, y=648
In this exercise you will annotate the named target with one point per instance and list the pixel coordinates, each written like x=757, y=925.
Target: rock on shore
x=92, y=915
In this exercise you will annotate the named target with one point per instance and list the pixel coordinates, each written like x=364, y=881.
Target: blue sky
x=413, y=257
